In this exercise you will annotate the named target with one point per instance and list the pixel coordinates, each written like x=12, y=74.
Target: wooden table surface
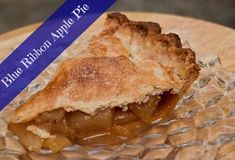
x=204, y=37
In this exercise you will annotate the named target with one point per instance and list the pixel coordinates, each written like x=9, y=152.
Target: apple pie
x=129, y=76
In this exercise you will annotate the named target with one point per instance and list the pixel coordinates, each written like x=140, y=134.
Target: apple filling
x=57, y=129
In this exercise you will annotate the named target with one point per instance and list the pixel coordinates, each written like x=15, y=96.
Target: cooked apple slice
x=60, y=128
x=145, y=110
x=129, y=130
x=82, y=124
x=52, y=116
x=123, y=117
x=56, y=143
x=29, y=140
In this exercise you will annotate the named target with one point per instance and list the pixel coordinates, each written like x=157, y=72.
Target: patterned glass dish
x=202, y=125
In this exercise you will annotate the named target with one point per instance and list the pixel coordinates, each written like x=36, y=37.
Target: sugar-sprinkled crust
x=125, y=63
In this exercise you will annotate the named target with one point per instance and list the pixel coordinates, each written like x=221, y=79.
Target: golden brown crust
x=143, y=43
x=125, y=63
x=91, y=83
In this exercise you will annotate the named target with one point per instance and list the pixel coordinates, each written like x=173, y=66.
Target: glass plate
x=202, y=125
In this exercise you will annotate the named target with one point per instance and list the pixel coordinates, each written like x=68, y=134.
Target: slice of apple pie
x=129, y=76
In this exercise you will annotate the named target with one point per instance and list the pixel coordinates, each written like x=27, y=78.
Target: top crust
x=125, y=63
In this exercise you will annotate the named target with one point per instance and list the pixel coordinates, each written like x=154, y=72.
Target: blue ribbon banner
x=46, y=44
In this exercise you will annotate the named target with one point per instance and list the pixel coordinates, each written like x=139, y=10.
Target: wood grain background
x=204, y=37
